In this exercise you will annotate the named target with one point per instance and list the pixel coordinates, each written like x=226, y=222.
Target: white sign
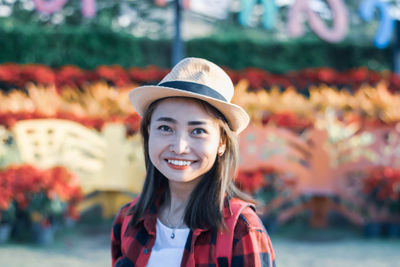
x=212, y=8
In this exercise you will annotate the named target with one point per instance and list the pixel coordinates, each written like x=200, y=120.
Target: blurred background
x=319, y=78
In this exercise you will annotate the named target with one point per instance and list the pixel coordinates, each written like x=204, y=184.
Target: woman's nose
x=180, y=145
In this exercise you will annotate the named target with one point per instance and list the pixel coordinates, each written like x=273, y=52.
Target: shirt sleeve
x=252, y=245
x=116, y=252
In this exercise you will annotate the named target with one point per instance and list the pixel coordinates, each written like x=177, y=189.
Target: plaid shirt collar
x=149, y=219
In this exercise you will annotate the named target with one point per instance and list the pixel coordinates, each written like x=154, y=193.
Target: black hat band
x=194, y=88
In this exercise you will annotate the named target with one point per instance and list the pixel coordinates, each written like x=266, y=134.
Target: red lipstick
x=179, y=167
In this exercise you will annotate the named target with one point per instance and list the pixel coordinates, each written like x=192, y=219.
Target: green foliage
x=89, y=47
x=9, y=215
x=292, y=54
x=79, y=46
x=46, y=206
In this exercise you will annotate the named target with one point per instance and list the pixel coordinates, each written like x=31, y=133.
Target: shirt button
x=145, y=251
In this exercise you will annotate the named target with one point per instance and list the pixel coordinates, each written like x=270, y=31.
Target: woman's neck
x=173, y=211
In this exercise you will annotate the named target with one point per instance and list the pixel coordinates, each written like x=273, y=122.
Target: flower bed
x=381, y=188
x=100, y=103
x=30, y=196
x=17, y=76
x=343, y=118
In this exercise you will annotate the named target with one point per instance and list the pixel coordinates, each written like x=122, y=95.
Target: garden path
x=89, y=247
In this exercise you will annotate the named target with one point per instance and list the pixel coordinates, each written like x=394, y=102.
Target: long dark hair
x=204, y=208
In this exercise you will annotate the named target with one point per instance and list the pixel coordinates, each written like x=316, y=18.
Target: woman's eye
x=164, y=128
x=199, y=131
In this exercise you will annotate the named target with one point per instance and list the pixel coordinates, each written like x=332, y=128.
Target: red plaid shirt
x=131, y=247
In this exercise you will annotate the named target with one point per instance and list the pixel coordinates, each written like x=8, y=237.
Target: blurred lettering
x=160, y=2
x=89, y=8
x=386, y=22
x=49, y=7
x=269, y=16
x=301, y=8
x=299, y=11
x=52, y=6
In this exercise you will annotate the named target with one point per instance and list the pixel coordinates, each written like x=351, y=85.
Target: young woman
x=189, y=212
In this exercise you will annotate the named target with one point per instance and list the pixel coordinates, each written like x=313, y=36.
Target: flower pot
x=21, y=230
x=42, y=235
x=373, y=229
x=5, y=232
x=70, y=222
x=393, y=230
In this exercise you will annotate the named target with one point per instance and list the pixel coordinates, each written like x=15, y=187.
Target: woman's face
x=183, y=139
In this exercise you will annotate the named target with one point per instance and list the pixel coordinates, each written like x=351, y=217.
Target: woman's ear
x=221, y=149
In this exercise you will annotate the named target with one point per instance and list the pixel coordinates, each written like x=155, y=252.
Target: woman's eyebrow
x=196, y=123
x=167, y=119
x=190, y=123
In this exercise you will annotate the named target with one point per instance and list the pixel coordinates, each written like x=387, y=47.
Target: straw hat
x=196, y=78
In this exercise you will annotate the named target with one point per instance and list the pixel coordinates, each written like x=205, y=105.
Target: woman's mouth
x=179, y=164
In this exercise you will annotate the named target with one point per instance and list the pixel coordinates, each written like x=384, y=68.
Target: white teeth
x=179, y=162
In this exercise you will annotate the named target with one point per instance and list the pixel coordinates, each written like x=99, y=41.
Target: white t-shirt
x=168, y=251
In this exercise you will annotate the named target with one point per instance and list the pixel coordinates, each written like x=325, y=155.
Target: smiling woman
x=189, y=211
x=183, y=147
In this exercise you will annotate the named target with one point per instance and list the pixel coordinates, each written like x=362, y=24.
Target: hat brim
x=141, y=97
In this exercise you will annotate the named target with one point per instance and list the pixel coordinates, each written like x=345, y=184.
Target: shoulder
x=244, y=216
x=252, y=245
x=123, y=212
x=247, y=217
x=120, y=218
x=248, y=220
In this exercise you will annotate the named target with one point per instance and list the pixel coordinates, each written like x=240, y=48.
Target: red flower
x=359, y=75
x=257, y=77
x=250, y=182
x=21, y=183
x=326, y=75
x=71, y=76
x=39, y=74
x=382, y=185
x=150, y=74
x=9, y=73
x=288, y=120
x=132, y=123
x=115, y=74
